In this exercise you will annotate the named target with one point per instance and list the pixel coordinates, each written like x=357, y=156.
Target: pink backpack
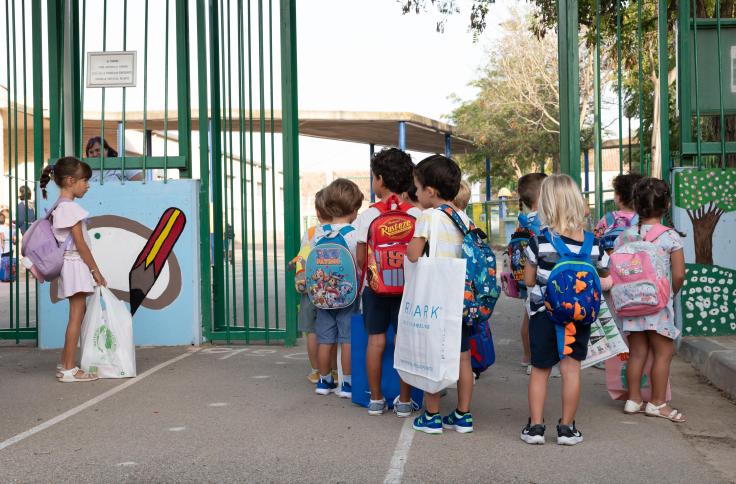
x=43, y=255
x=640, y=273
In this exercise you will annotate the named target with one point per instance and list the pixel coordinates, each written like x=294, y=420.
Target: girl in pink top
x=80, y=273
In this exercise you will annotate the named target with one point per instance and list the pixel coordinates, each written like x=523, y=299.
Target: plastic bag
x=107, y=337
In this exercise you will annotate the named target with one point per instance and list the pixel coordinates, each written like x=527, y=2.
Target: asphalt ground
x=247, y=413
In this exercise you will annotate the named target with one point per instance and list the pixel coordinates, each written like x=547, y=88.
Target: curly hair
x=395, y=168
x=623, y=186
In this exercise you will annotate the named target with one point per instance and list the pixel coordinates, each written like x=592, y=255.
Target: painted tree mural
x=706, y=195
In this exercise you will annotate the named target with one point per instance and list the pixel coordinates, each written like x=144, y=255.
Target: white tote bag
x=107, y=337
x=427, y=351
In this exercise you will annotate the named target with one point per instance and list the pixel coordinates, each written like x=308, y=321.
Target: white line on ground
x=177, y=429
x=90, y=403
x=401, y=453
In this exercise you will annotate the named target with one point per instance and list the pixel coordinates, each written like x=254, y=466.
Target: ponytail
x=45, y=179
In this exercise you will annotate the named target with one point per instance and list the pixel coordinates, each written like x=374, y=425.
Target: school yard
x=247, y=413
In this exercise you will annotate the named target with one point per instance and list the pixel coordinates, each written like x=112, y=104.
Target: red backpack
x=388, y=237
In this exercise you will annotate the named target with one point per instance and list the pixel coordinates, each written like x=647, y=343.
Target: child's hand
x=99, y=280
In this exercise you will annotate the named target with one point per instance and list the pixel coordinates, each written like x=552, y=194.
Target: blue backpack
x=331, y=274
x=482, y=352
x=615, y=226
x=528, y=227
x=481, y=288
x=573, y=290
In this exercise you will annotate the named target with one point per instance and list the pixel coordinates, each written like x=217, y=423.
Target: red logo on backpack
x=388, y=237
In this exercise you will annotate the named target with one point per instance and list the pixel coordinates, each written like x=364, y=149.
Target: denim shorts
x=333, y=325
x=307, y=315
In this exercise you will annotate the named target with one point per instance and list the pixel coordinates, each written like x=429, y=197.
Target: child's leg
x=570, y=371
x=77, y=308
x=404, y=391
x=345, y=359
x=638, y=352
x=324, y=356
x=525, y=337
x=312, y=350
x=664, y=349
x=432, y=402
x=465, y=383
x=373, y=356
x=538, y=393
x=333, y=358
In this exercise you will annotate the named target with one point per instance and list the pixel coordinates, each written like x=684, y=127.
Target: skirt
x=75, y=277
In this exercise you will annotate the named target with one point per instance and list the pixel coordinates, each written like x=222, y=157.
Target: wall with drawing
x=144, y=237
x=705, y=209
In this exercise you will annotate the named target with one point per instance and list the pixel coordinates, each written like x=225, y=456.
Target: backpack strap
x=523, y=221
x=310, y=232
x=655, y=232
x=562, y=248
x=390, y=202
x=455, y=217
x=610, y=219
x=346, y=230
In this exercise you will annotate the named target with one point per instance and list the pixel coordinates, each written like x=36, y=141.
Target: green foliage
x=708, y=297
x=696, y=188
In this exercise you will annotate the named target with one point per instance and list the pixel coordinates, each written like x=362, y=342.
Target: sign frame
x=130, y=82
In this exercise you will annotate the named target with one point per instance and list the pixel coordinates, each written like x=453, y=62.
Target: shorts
x=307, y=315
x=465, y=338
x=333, y=325
x=379, y=312
x=543, y=341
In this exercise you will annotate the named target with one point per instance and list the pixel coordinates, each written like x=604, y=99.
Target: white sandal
x=631, y=407
x=70, y=376
x=654, y=411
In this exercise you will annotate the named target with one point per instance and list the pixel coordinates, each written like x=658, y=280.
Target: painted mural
x=705, y=209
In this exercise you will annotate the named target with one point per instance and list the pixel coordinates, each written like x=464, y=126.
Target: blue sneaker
x=457, y=423
x=325, y=387
x=428, y=425
x=346, y=391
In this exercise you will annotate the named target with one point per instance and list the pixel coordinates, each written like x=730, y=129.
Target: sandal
x=74, y=375
x=58, y=370
x=654, y=411
x=632, y=407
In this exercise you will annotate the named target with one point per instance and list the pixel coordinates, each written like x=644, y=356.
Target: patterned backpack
x=331, y=276
x=388, y=237
x=515, y=256
x=616, y=224
x=573, y=292
x=481, y=289
x=640, y=273
x=300, y=262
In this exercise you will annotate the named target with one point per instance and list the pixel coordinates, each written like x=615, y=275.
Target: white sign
x=111, y=69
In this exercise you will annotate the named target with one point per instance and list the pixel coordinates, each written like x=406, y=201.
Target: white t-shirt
x=366, y=218
x=351, y=238
x=439, y=230
x=5, y=231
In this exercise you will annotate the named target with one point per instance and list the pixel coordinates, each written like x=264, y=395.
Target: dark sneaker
x=533, y=434
x=402, y=409
x=457, y=423
x=568, y=434
x=346, y=391
x=325, y=387
x=428, y=425
x=377, y=407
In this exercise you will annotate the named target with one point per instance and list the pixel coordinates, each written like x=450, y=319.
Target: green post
x=664, y=94
x=38, y=130
x=77, y=82
x=597, y=124
x=290, y=130
x=55, y=18
x=683, y=40
x=182, y=85
x=569, y=64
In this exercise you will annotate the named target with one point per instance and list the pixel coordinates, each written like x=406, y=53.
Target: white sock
x=327, y=378
x=348, y=379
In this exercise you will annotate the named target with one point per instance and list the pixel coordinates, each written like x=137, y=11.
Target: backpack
x=482, y=352
x=640, y=274
x=331, y=277
x=300, y=262
x=481, y=289
x=7, y=269
x=43, y=254
x=388, y=237
x=513, y=281
x=616, y=224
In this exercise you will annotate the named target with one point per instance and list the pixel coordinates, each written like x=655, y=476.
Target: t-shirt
x=66, y=215
x=364, y=220
x=444, y=238
x=112, y=176
x=351, y=238
x=5, y=231
x=20, y=219
x=542, y=254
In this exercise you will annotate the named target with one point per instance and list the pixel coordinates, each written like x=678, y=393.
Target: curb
x=715, y=361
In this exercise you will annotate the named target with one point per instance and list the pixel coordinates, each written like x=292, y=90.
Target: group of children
x=556, y=219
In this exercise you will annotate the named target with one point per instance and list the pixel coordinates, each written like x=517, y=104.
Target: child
x=528, y=188
x=613, y=223
x=438, y=180
x=6, y=237
x=658, y=331
x=561, y=209
x=79, y=274
x=338, y=206
x=462, y=199
x=392, y=171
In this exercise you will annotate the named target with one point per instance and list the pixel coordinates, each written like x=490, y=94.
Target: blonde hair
x=338, y=199
x=561, y=204
x=462, y=199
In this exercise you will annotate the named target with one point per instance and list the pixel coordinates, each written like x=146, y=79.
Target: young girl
x=657, y=331
x=613, y=222
x=80, y=273
x=561, y=209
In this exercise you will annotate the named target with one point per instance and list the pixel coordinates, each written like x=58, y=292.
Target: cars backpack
x=388, y=237
x=513, y=280
x=300, y=262
x=616, y=224
x=43, y=255
x=481, y=288
x=331, y=278
x=640, y=273
x=573, y=294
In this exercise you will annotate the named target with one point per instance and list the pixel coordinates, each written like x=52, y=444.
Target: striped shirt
x=542, y=254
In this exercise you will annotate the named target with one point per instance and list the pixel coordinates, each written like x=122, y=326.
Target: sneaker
x=568, y=434
x=528, y=369
x=345, y=391
x=313, y=377
x=377, y=407
x=428, y=425
x=325, y=387
x=457, y=423
x=556, y=371
x=402, y=409
x=533, y=434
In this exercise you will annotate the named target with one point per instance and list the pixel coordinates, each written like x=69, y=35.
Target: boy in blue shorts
x=393, y=174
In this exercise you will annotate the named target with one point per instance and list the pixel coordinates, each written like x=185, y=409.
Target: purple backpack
x=43, y=254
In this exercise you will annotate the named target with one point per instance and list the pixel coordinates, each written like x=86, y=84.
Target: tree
x=706, y=195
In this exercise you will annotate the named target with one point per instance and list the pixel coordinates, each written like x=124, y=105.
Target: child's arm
x=361, y=253
x=530, y=274
x=416, y=248
x=677, y=260
x=86, y=254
